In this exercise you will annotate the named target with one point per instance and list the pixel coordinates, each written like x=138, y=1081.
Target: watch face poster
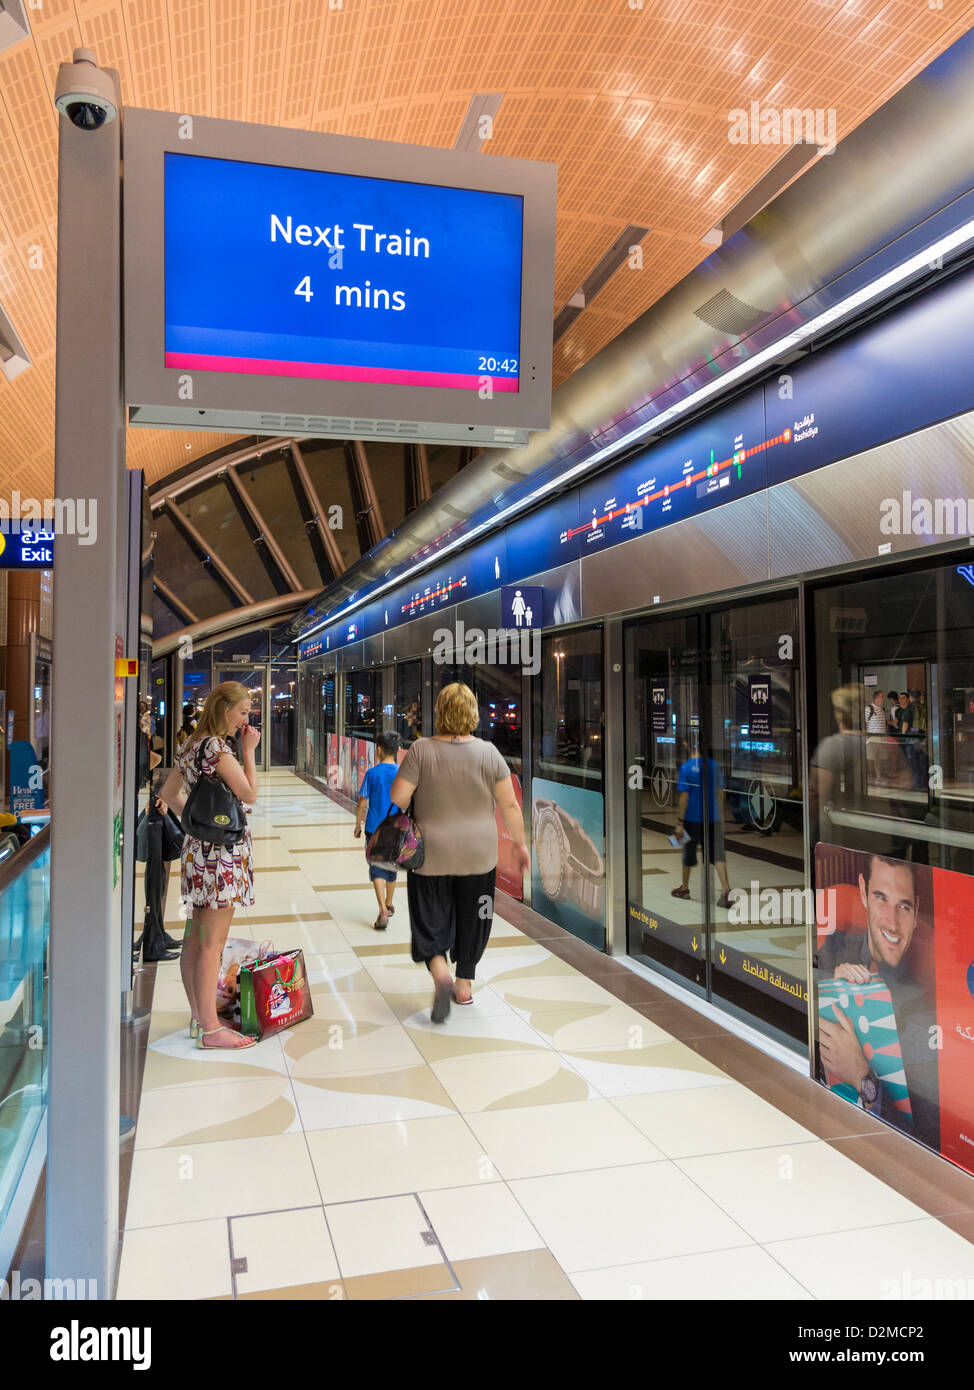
x=567, y=858
x=508, y=874
x=895, y=986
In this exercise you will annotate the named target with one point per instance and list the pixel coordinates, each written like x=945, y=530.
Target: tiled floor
x=569, y=1135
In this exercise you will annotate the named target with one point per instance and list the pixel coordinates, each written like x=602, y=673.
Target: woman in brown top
x=454, y=782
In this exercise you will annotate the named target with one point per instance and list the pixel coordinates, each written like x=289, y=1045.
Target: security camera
x=85, y=93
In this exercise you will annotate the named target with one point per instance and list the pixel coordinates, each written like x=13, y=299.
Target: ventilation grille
x=335, y=424
x=728, y=314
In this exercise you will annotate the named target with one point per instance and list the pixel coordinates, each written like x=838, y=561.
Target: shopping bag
x=236, y=951
x=274, y=994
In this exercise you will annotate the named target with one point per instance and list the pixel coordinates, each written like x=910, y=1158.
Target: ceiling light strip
x=934, y=254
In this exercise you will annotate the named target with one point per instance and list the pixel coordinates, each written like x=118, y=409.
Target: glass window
x=891, y=795
x=362, y=716
x=567, y=810
x=409, y=701
x=283, y=678
x=252, y=646
x=715, y=820
x=498, y=691
x=324, y=684
x=568, y=713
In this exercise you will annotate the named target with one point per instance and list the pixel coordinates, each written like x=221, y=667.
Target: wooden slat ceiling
x=631, y=101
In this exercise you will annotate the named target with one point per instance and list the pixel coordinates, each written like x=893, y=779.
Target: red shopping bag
x=274, y=994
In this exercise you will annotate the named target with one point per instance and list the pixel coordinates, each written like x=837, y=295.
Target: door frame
x=703, y=614
x=224, y=670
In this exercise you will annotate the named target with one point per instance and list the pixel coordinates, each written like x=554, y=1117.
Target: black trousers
x=451, y=915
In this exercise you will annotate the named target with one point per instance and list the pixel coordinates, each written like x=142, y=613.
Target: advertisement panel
x=567, y=858
x=895, y=993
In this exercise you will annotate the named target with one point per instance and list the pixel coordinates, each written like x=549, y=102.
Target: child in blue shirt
x=374, y=799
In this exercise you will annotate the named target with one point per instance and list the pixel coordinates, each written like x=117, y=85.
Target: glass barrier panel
x=25, y=903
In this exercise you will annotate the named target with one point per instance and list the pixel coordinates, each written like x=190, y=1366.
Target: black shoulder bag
x=212, y=812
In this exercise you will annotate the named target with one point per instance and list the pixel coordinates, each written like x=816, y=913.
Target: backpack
x=397, y=840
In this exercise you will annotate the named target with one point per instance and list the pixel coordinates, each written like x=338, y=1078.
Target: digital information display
x=898, y=375
x=301, y=273
x=720, y=458
x=26, y=550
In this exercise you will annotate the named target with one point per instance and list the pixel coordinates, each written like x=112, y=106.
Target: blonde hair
x=457, y=711
x=214, y=721
x=851, y=702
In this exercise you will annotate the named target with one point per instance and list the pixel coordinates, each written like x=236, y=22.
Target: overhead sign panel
x=22, y=549
x=286, y=281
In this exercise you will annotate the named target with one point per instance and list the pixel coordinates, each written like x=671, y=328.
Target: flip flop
x=462, y=1001
x=441, y=1003
x=679, y=892
x=379, y=924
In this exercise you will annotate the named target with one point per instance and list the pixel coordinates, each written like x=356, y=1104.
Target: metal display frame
x=225, y=401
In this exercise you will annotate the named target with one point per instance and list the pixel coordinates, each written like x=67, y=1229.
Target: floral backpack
x=397, y=840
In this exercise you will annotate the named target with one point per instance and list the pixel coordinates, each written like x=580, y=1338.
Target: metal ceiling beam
x=228, y=582
x=234, y=619
x=368, y=514
x=211, y=470
x=272, y=557
x=324, y=546
x=417, y=471
x=182, y=612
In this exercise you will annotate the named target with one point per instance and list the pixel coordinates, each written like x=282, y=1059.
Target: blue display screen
x=714, y=461
x=295, y=272
x=901, y=374
x=544, y=539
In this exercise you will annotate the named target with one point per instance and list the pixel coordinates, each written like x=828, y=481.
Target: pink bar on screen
x=331, y=371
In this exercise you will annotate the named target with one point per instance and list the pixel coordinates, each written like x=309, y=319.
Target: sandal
x=391, y=911
x=461, y=1001
x=380, y=923
x=679, y=892
x=441, y=1003
x=248, y=1042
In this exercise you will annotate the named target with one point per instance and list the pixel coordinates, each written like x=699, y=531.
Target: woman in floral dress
x=214, y=880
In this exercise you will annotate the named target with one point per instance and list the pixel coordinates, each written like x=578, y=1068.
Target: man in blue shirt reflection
x=695, y=775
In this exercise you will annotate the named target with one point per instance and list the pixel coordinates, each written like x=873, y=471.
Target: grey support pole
x=89, y=613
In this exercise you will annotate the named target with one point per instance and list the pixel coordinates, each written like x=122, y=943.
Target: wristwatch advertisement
x=571, y=866
x=869, y=1089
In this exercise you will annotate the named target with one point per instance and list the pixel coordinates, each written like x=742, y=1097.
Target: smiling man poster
x=895, y=989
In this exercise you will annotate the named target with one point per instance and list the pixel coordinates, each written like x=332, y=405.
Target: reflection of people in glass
x=834, y=765
x=186, y=728
x=888, y=890
x=690, y=819
x=877, y=727
x=413, y=720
